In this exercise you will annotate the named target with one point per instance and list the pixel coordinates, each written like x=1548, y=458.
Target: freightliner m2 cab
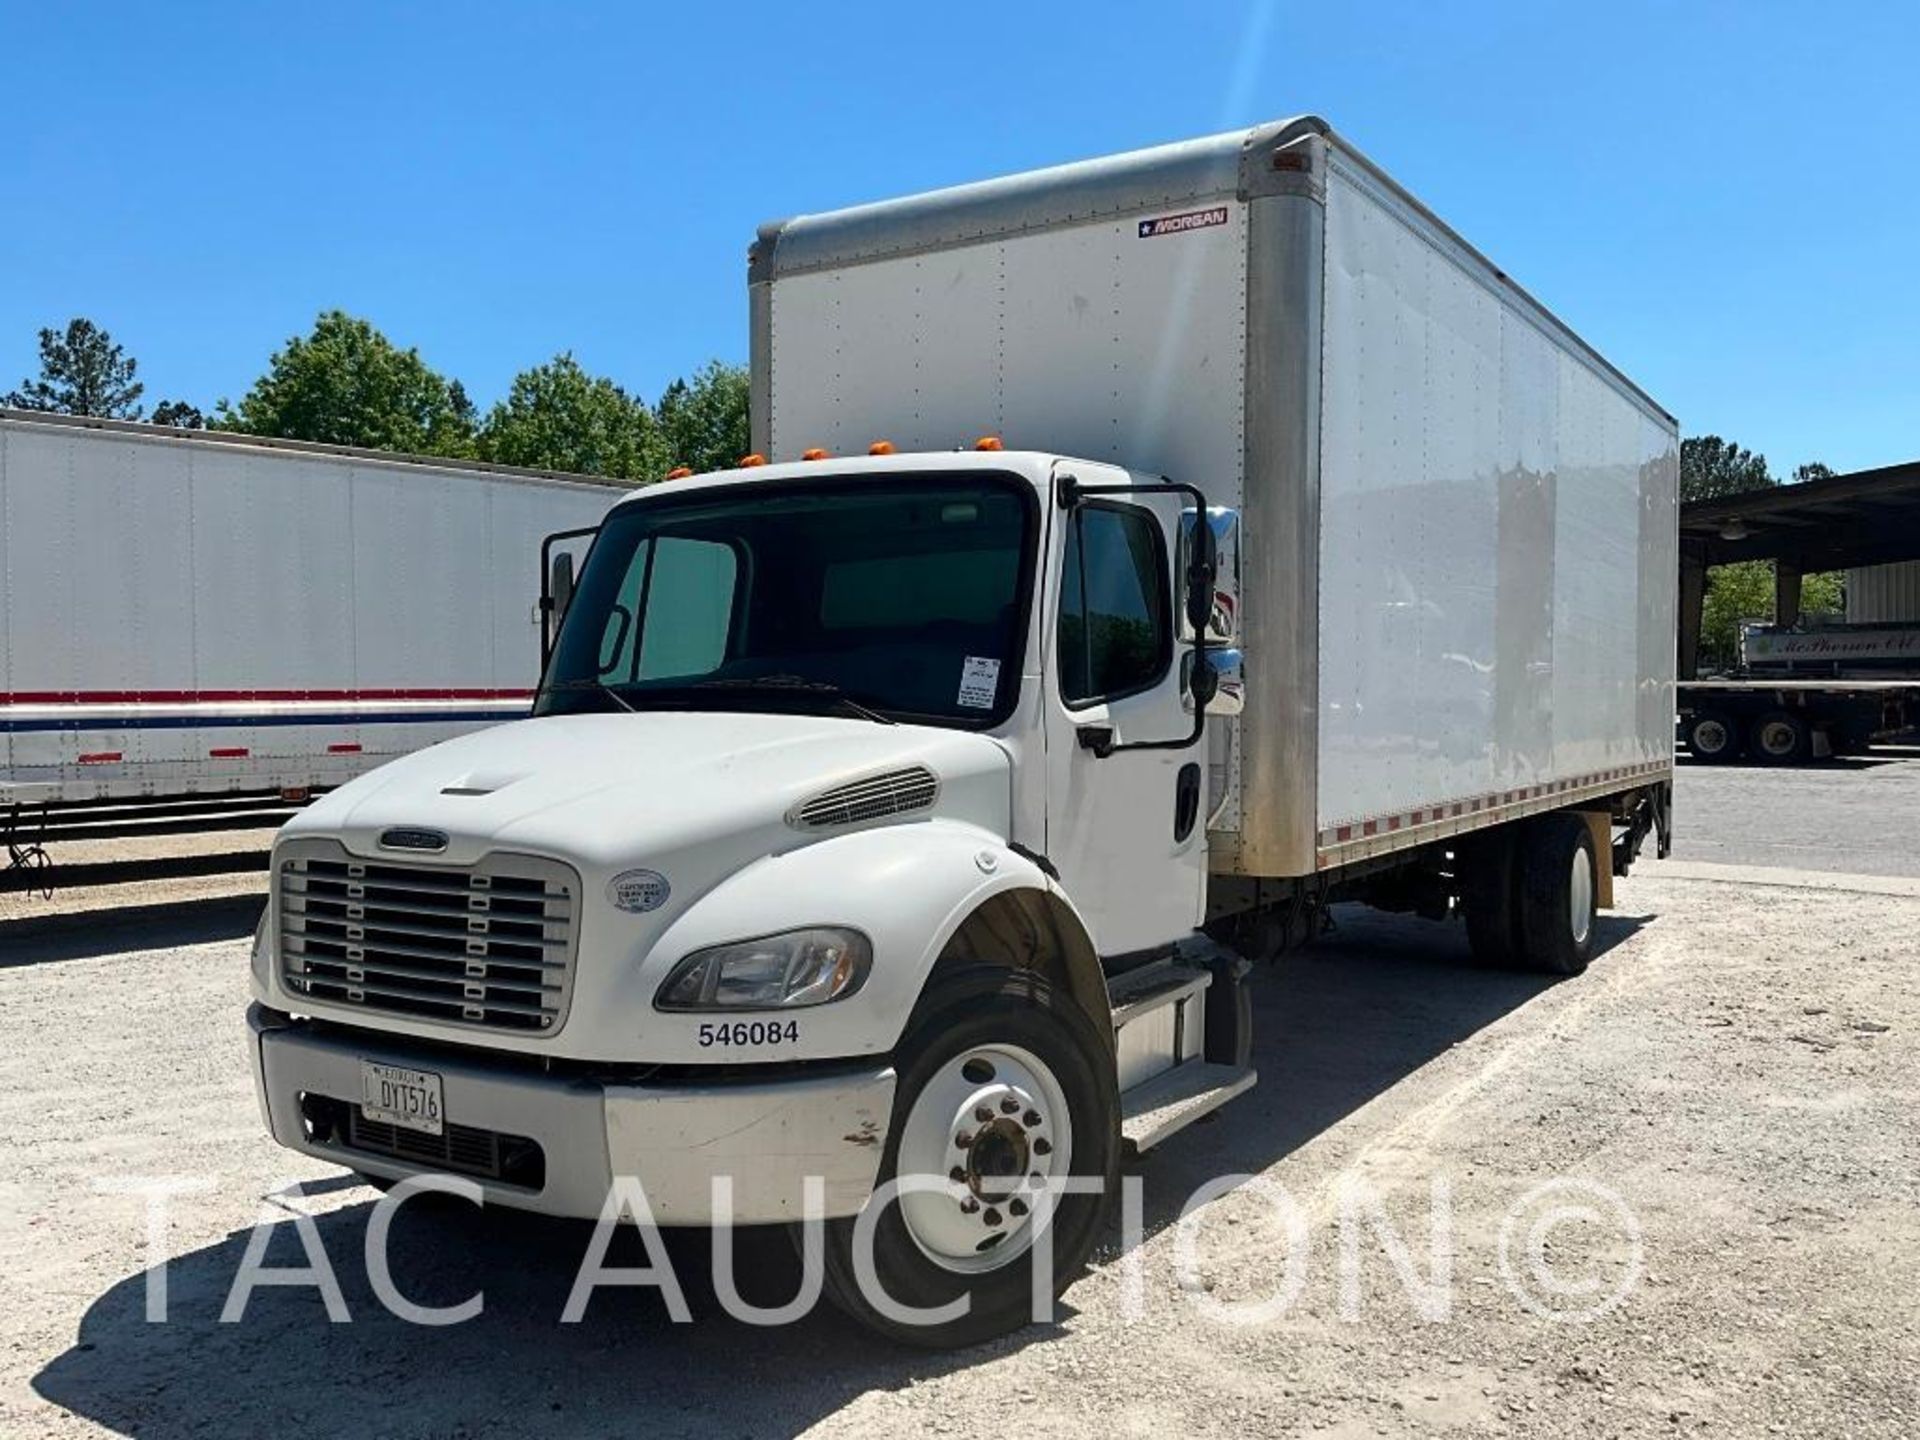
x=895, y=830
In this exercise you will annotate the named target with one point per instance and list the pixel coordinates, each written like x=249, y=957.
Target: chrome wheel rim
x=1580, y=895
x=991, y=1128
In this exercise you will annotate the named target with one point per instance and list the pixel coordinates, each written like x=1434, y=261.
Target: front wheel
x=1004, y=1087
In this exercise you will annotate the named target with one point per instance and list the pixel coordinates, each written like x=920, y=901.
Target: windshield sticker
x=979, y=678
x=1180, y=224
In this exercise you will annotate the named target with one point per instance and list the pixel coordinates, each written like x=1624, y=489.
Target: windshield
x=903, y=598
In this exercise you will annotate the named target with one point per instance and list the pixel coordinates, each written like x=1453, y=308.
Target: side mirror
x=1217, y=680
x=1221, y=533
x=556, y=585
x=560, y=586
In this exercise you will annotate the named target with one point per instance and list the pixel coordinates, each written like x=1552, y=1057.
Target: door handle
x=1186, y=802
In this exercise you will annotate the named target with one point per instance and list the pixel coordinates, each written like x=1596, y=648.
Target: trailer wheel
x=1557, y=895
x=1486, y=897
x=1781, y=737
x=1713, y=738
x=1003, y=1086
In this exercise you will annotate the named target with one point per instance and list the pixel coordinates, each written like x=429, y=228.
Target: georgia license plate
x=411, y=1099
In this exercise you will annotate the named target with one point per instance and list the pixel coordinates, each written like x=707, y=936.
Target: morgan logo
x=403, y=837
x=1180, y=224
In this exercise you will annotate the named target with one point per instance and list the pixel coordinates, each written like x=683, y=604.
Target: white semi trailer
x=904, y=806
x=192, y=613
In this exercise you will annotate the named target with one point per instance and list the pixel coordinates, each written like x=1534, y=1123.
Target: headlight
x=775, y=972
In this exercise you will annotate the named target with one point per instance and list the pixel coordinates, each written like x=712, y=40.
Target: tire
x=1781, y=737
x=1556, y=894
x=1486, y=898
x=1713, y=738
x=1000, y=1042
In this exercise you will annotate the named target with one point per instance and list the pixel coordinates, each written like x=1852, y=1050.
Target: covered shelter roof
x=1867, y=517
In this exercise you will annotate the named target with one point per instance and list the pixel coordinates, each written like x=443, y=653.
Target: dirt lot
x=1739, y=1071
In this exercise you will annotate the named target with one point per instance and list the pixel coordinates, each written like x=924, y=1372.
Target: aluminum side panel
x=1497, y=529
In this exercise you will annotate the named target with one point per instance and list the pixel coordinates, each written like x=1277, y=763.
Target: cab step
x=1174, y=1099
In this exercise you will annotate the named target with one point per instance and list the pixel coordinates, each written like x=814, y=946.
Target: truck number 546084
x=750, y=1032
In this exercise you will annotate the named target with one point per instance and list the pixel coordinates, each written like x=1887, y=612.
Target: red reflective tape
x=343, y=749
x=229, y=752
x=101, y=757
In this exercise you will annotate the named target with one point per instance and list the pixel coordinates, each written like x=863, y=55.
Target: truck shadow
x=87, y=934
x=1337, y=1024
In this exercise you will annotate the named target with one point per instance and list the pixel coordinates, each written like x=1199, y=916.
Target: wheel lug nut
x=1031, y=1118
x=1041, y=1147
x=963, y=1139
x=1016, y=1207
x=957, y=1175
x=992, y=1217
x=1009, y=1106
x=983, y=1115
x=969, y=1205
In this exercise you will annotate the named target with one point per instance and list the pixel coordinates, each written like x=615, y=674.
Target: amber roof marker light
x=815, y=453
x=678, y=472
x=747, y=462
x=880, y=447
x=988, y=442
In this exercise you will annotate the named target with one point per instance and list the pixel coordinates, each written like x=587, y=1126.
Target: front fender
x=906, y=887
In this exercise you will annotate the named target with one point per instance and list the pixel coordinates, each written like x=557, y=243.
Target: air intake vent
x=895, y=793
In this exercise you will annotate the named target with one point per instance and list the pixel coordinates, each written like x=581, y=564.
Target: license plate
x=411, y=1099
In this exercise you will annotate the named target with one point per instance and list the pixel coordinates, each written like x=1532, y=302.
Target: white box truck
x=901, y=808
x=195, y=613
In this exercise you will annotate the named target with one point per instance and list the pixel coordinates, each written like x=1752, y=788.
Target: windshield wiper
x=600, y=685
x=798, y=684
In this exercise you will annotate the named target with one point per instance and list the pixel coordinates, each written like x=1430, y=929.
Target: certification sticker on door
x=979, y=679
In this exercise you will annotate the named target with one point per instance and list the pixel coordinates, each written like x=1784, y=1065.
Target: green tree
x=179, y=414
x=1812, y=470
x=703, y=419
x=1742, y=592
x=1712, y=469
x=558, y=417
x=82, y=372
x=347, y=384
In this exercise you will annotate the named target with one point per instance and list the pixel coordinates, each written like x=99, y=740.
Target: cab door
x=1124, y=826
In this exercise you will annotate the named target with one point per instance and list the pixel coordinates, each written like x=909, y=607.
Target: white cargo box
x=1458, y=553
x=189, y=613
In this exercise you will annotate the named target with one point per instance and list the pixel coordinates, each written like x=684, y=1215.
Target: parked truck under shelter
x=1138, y=557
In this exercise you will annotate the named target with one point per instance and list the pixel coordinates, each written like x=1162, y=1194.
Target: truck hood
x=603, y=791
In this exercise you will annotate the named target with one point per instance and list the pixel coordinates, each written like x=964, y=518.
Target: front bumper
x=675, y=1138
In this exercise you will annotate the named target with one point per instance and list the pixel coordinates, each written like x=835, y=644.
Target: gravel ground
x=1855, y=815
x=1739, y=1068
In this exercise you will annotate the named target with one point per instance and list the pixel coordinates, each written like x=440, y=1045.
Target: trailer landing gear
x=27, y=858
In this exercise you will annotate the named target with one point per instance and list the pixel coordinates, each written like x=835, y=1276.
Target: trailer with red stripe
x=195, y=613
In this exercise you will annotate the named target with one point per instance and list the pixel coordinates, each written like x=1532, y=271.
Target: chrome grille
x=894, y=793
x=488, y=945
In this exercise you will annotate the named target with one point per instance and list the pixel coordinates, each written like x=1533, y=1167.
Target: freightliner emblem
x=404, y=837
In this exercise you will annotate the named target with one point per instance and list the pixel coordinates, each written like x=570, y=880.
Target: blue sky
x=1719, y=196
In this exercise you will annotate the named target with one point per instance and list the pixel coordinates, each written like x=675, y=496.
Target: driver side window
x=1115, y=631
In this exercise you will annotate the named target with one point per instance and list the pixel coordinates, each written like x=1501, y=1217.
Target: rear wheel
x=1557, y=892
x=1781, y=737
x=1486, y=897
x=1003, y=1087
x=1713, y=738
